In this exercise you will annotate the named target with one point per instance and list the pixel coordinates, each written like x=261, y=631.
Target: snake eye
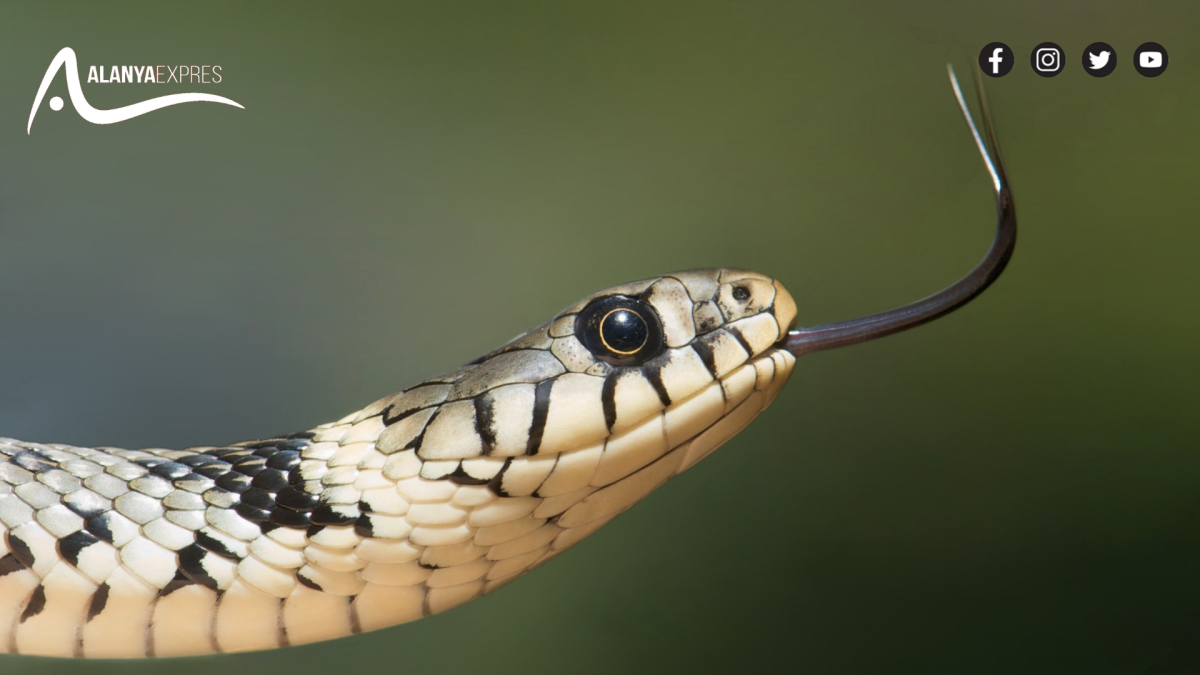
x=620, y=330
x=623, y=331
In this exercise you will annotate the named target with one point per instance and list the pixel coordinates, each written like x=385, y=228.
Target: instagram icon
x=1047, y=59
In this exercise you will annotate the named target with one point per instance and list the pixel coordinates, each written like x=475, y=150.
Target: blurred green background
x=1010, y=489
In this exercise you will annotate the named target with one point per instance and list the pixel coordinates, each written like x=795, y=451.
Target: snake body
x=423, y=500
x=415, y=504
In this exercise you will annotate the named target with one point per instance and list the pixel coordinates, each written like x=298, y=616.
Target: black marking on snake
x=653, y=371
x=415, y=444
x=216, y=546
x=284, y=517
x=737, y=335
x=250, y=466
x=706, y=324
x=388, y=420
x=608, y=397
x=19, y=550
x=98, y=525
x=281, y=635
x=271, y=480
x=150, y=631
x=214, y=471
x=212, y=626
x=232, y=455
x=234, y=482
x=150, y=462
x=70, y=546
x=98, y=602
x=326, y=514
x=285, y=460
x=258, y=498
x=32, y=462
x=181, y=579
x=391, y=415
x=541, y=408
x=296, y=500
x=37, y=602
x=84, y=503
x=197, y=460
x=255, y=515
x=273, y=445
x=305, y=581
x=191, y=563
x=9, y=564
x=704, y=347
x=171, y=470
x=461, y=477
x=355, y=622
x=495, y=483
x=485, y=421
x=363, y=526
x=298, y=436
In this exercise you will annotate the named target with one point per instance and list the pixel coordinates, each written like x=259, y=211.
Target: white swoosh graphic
x=97, y=116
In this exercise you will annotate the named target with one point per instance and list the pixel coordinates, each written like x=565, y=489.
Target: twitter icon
x=1099, y=59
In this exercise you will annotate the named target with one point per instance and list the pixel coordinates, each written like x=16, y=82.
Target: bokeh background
x=1010, y=489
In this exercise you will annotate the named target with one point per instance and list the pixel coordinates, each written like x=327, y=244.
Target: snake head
x=615, y=382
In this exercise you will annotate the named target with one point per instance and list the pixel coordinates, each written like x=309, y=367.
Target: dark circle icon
x=1099, y=59
x=996, y=59
x=1151, y=59
x=1046, y=59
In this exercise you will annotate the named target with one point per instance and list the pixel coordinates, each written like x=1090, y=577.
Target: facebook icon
x=996, y=59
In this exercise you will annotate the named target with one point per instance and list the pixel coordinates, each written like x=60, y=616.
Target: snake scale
x=423, y=500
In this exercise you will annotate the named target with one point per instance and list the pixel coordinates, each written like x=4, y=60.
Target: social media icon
x=996, y=59
x=1150, y=59
x=1099, y=59
x=1046, y=59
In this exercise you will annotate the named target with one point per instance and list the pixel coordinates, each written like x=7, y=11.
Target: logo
x=65, y=60
x=1099, y=59
x=1150, y=59
x=1046, y=59
x=996, y=59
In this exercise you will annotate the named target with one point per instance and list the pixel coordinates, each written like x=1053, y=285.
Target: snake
x=422, y=500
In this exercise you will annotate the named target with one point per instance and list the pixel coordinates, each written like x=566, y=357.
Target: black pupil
x=623, y=331
x=740, y=293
